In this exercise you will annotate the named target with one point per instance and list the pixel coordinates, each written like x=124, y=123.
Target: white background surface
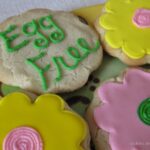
x=13, y=7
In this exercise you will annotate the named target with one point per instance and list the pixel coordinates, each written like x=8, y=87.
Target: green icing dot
x=144, y=111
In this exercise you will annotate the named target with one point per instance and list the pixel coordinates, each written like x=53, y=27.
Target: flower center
x=144, y=111
x=23, y=138
x=142, y=18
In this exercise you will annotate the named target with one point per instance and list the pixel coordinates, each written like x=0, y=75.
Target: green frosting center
x=144, y=111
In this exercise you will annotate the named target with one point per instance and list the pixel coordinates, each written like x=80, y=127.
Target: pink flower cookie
x=121, y=113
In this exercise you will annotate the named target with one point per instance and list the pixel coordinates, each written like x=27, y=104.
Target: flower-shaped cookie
x=42, y=125
x=127, y=25
x=125, y=111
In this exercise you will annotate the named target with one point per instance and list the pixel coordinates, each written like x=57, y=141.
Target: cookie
x=48, y=123
x=119, y=114
x=124, y=27
x=48, y=51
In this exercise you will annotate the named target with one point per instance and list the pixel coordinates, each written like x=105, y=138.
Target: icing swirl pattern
x=23, y=138
x=144, y=111
x=142, y=18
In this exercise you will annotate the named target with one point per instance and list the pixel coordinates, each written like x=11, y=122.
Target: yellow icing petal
x=109, y=7
x=148, y=51
x=113, y=39
x=60, y=129
x=107, y=23
x=132, y=51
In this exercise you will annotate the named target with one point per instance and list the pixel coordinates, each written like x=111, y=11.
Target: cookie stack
x=119, y=113
x=43, y=52
x=46, y=52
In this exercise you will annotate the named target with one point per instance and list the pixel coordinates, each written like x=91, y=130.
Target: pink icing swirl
x=142, y=18
x=23, y=138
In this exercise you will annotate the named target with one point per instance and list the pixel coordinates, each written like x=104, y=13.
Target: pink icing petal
x=118, y=114
x=142, y=18
x=23, y=138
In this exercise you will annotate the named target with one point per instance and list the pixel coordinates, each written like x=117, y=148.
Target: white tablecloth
x=13, y=7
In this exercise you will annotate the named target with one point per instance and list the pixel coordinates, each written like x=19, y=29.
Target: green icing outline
x=32, y=24
x=56, y=36
x=8, y=40
x=31, y=62
x=42, y=39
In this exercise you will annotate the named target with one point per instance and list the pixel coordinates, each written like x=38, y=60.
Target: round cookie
x=48, y=51
x=48, y=123
x=124, y=27
x=119, y=114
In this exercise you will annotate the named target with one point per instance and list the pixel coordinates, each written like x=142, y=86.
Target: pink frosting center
x=142, y=18
x=23, y=138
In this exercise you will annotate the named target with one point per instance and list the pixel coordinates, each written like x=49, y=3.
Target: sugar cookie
x=48, y=51
x=124, y=27
x=48, y=123
x=119, y=114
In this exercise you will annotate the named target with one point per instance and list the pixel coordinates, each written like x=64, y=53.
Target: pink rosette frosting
x=23, y=138
x=118, y=114
x=142, y=18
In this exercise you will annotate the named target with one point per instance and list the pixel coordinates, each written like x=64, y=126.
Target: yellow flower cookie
x=125, y=30
x=42, y=125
